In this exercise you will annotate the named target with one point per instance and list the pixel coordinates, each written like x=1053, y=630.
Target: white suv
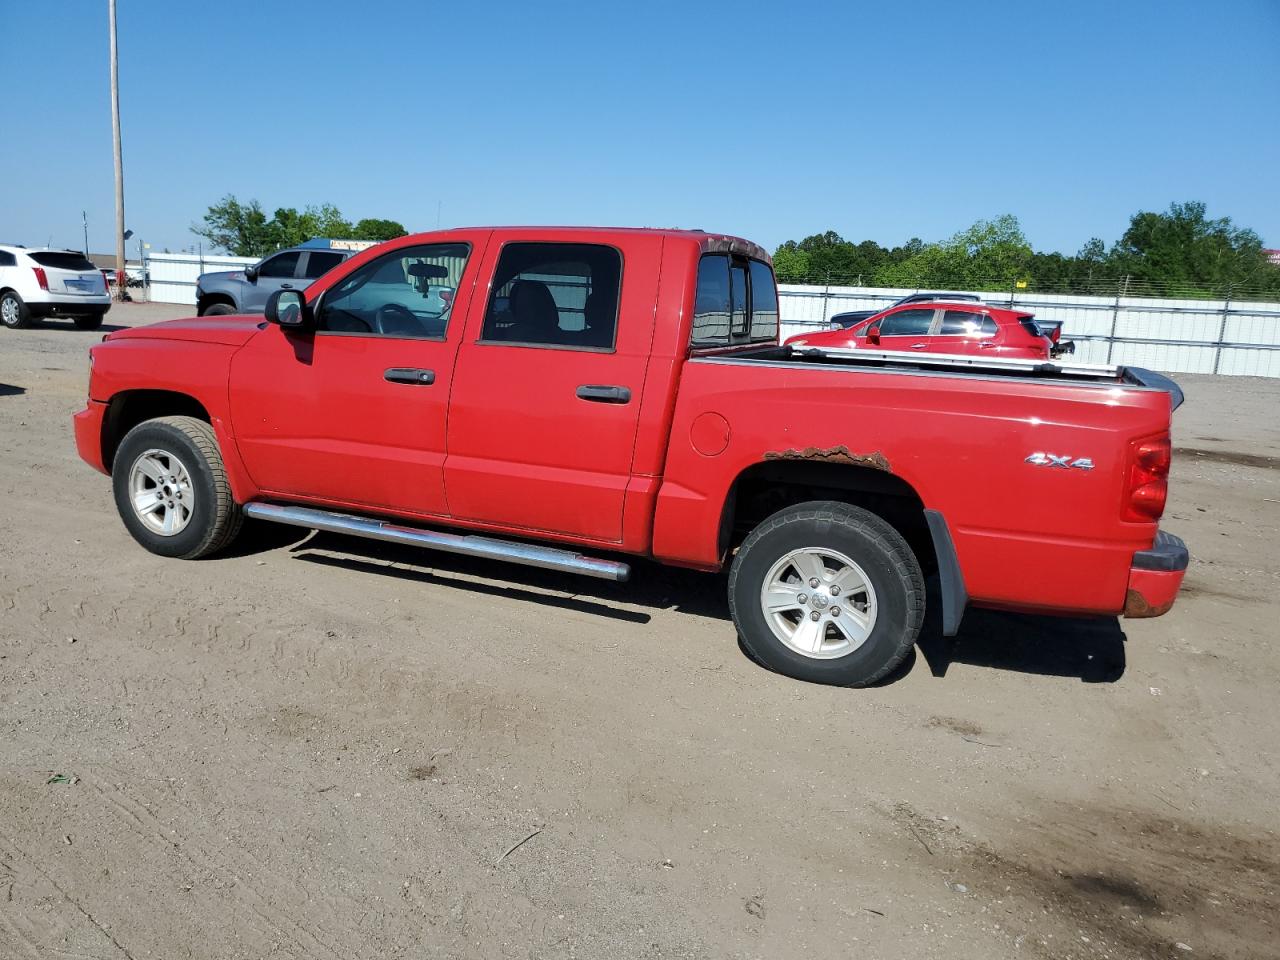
x=42, y=282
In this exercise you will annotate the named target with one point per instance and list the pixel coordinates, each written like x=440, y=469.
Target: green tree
x=989, y=251
x=292, y=228
x=240, y=229
x=243, y=229
x=790, y=263
x=829, y=258
x=1183, y=247
x=372, y=228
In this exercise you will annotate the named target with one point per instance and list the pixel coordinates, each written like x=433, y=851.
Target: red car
x=589, y=395
x=965, y=329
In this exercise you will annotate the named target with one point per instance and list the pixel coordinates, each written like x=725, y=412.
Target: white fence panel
x=173, y=275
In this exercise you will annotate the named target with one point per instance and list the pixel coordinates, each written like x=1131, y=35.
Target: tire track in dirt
x=230, y=866
x=30, y=865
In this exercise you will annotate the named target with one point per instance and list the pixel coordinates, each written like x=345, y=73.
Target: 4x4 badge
x=1042, y=459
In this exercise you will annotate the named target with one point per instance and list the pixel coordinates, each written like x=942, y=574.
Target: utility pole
x=115, y=138
x=84, y=217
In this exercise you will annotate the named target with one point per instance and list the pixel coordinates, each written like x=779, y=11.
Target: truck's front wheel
x=171, y=488
x=827, y=592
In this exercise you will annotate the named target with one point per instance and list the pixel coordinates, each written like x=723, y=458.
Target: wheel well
x=209, y=299
x=765, y=488
x=132, y=407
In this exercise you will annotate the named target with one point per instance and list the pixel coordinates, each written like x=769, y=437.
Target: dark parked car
x=843, y=321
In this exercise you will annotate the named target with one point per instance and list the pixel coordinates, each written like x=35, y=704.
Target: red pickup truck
x=580, y=395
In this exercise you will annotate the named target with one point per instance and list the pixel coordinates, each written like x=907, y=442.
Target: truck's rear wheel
x=217, y=310
x=171, y=488
x=827, y=592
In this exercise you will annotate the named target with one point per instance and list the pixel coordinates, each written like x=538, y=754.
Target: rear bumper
x=1155, y=576
x=69, y=308
x=88, y=427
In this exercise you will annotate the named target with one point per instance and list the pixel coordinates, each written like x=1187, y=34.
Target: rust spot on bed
x=875, y=460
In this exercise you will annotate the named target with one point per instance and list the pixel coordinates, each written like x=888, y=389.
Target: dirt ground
x=319, y=747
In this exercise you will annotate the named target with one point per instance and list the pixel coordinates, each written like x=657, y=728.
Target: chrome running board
x=529, y=554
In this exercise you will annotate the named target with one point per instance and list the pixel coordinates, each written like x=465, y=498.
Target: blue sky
x=768, y=120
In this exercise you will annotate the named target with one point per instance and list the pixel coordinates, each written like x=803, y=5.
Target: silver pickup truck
x=246, y=291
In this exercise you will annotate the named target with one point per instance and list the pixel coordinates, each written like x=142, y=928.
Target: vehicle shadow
x=57, y=324
x=652, y=585
x=11, y=390
x=1089, y=649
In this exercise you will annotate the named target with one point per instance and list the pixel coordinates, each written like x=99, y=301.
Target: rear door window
x=59, y=260
x=907, y=323
x=319, y=264
x=7, y=259
x=556, y=295
x=281, y=265
x=963, y=323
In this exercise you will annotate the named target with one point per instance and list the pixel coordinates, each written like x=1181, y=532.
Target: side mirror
x=873, y=335
x=251, y=273
x=288, y=309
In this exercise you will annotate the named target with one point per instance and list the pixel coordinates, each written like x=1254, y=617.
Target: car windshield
x=62, y=260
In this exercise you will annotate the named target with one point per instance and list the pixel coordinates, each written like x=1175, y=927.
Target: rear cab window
x=735, y=302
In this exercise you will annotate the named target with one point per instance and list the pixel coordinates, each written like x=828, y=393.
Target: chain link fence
x=992, y=288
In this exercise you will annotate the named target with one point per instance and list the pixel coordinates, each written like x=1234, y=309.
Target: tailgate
x=76, y=283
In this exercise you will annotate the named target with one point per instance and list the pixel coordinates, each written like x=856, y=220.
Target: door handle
x=411, y=375
x=286, y=286
x=986, y=346
x=918, y=346
x=601, y=394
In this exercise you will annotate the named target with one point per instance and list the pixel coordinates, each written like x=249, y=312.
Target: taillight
x=106, y=280
x=1148, y=486
x=41, y=278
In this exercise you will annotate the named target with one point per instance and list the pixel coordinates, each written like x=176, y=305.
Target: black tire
x=13, y=312
x=217, y=310
x=867, y=540
x=92, y=322
x=215, y=518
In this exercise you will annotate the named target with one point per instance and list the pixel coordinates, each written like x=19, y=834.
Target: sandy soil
x=324, y=748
